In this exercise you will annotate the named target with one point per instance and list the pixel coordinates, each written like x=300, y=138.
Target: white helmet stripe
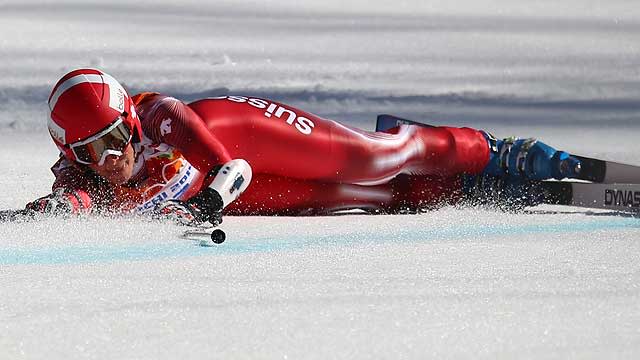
x=78, y=79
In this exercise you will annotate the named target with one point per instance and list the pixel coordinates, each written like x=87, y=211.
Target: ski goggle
x=110, y=141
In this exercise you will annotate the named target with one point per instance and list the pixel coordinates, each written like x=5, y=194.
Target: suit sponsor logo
x=172, y=190
x=302, y=124
x=626, y=198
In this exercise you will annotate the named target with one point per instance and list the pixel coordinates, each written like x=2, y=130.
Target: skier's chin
x=122, y=173
x=118, y=170
x=120, y=178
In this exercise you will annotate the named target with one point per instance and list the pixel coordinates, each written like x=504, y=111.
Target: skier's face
x=117, y=169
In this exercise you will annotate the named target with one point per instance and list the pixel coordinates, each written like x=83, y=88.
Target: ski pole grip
x=231, y=180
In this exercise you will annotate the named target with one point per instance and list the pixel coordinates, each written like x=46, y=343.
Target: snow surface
x=553, y=283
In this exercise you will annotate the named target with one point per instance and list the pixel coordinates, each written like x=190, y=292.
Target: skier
x=153, y=154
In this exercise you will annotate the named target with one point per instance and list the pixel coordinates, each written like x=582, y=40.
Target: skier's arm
x=172, y=122
x=62, y=202
x=74, y=191
x=65, y=199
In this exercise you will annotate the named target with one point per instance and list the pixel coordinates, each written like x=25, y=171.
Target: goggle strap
x=107, y=153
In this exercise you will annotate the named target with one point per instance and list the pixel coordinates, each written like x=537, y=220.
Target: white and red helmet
x=85, y=103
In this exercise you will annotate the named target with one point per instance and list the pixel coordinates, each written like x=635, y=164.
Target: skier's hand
x=58, y=203
x=215, y=218
x=180, y=212
x=209, y=203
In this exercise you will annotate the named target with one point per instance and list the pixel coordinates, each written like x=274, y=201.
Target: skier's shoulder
x=145, y=97
x=152, y=105
x=149, y=99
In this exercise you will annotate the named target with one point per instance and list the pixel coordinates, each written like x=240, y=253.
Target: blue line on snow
x=74, y=255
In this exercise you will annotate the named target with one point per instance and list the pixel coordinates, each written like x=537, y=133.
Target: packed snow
x=550, y=283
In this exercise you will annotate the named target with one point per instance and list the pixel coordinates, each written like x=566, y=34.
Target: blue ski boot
x=529, y=159
x=512, y=179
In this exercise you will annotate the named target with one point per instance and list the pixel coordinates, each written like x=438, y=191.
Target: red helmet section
x=84, y=102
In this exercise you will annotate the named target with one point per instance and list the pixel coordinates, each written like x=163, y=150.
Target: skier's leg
x=522, y=159
x=277, y=195
x=274, y=195
x=296, y=144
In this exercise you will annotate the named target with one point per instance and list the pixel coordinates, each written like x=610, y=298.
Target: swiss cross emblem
x=165, y=127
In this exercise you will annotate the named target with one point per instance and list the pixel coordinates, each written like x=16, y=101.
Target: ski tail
x=618, y=197
x=385, y=122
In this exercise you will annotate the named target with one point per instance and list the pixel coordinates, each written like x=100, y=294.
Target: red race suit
x=302, y=163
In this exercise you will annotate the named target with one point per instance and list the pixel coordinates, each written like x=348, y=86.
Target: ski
x=594, y=170
x=18, y=215
x=618, y=197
